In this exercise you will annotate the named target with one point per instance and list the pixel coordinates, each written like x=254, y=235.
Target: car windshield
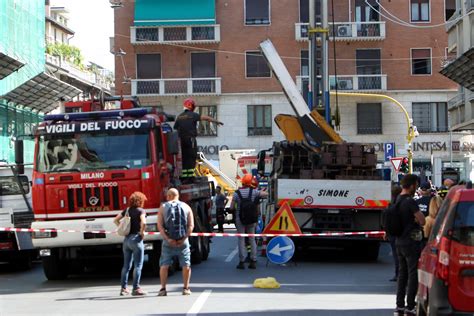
x=463, y=228
x=93, y=151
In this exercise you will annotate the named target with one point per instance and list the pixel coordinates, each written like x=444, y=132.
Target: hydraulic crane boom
x=307, y=125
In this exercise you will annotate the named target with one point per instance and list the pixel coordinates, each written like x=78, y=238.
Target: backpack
x=176, y=221
x=392, y=220
x=248, y=209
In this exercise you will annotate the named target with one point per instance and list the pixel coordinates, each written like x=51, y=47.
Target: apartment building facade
x=210, y=52
x=460, y=68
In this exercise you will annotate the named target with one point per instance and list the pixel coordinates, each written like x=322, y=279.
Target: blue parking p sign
x=389, y=150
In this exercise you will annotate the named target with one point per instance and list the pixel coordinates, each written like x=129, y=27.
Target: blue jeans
x=133, y=249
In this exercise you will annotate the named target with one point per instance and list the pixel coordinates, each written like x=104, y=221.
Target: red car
x=446, y=266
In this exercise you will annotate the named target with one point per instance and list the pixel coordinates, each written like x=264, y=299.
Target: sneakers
x=138, y=292
x=410, y=312
x=187, y=291
x=162, y=292
x=124, y=292
x=241, y=266
x=253, y=265
x=399, y=311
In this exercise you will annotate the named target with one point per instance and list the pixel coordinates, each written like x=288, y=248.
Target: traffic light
x=404, y=167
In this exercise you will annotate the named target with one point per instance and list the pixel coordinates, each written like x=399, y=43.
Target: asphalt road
x=321, y=283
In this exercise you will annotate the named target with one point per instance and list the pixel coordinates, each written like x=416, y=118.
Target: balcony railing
x=176, y=86
x=177, y=34
x=456, y=101
x=87, y=76
x=351, y=82
x=469, y=5
x=453, y=20
x=347, y=31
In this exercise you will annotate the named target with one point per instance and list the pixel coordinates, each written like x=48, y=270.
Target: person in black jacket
x=408, y=246
x=186, y=125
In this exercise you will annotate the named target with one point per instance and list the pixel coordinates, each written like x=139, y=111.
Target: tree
x=67, y=52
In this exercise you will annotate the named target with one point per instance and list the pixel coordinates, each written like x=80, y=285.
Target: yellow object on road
x=266, y=283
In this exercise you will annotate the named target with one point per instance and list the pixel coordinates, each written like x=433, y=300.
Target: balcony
x=351, y=83
x=69, y=69
x=347, y=31
x=204, y=34
x=176, y=86
x=456, y=101
x=469, y=5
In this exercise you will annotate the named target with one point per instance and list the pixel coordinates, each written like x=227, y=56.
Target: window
x=203, y=65
x=257, y=12
x=304, y=63
x=207, y=128
x=430, y=117
x=369, y=118
x=256, y=65
x=304, y=11
x=148, y=67
x=420, y=10
x=259, y=120
x=463, y=226
x=421, y=61
x=450, y=9
x=368, y=66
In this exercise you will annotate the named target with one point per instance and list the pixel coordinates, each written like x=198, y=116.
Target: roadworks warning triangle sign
x=284, y=222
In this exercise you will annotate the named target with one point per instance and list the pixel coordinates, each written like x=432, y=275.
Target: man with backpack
x=404, y=220
x=245, y=206
x=175, y=223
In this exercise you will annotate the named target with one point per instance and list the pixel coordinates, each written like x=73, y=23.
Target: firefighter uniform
x=186, y=125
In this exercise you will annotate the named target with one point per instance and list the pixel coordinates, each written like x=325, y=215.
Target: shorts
x=183, y=253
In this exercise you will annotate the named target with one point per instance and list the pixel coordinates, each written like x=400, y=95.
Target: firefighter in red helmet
x=186, y=125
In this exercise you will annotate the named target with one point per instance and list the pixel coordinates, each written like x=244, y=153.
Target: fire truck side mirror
x=19, y=156
x=172, y=141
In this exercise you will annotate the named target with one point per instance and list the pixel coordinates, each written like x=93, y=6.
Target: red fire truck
x=88, y=162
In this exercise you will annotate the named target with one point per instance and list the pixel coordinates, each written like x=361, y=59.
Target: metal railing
x=347, y=31
x=351, y=82
x=456, y=101
x=176, y=34
x=177, y=86
x=88, y=76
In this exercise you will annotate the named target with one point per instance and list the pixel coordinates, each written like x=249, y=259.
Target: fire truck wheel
x=196, y=250
x=55, y=268
x=206, y=248
x=371, y=251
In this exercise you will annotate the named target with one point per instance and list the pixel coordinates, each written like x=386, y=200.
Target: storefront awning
x=42, y=93
x=461, y=70
x=8, y=65
x=172, y=13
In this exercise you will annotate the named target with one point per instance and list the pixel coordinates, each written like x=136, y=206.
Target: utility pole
x=318, y=57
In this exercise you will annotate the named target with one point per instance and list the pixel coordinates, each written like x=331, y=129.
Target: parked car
x=446, y=266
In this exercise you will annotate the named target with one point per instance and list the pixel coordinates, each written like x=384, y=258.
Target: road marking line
x=197, y=306
x=231, y=256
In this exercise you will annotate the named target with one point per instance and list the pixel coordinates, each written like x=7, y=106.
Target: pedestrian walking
x=245, y=206
x=221, y=201
x=435, y=204
x=133, y=248
x=408, y=245
x=186, y=125
x=175, y=223
x=396, y=190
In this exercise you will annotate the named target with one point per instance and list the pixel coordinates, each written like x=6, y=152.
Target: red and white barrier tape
x=32, y=230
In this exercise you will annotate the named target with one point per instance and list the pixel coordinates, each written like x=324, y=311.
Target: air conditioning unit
x=345, y=84
x=344, y=31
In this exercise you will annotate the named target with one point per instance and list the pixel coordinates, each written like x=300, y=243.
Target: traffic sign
x=389, y=150
x=280, y=250
x=284, y=221
x=396, y=163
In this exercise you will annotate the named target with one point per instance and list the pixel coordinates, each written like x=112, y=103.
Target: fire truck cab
x=88, y=162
